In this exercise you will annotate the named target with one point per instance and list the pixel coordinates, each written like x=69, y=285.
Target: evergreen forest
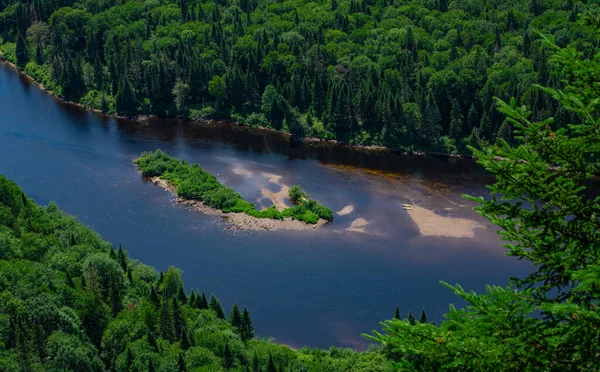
x=514, y=83
x=405, y=74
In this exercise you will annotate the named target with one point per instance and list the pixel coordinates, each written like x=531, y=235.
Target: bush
x=193, y=182
x=297, y=194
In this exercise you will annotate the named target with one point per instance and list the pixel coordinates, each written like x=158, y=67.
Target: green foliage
x=193, y=182
x=407, y=75
x=58, y=313
x=297, y=194
x=548, y=215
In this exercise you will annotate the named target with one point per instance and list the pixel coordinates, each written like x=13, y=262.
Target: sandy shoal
x=432, y=224
x=240, y=221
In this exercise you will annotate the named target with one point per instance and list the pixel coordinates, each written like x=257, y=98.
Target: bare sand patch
x=432, y=224
x=358, y=225
x=274, y=178
x=241, y=172
x=277, y=198
x=346, y=210
x=240, y=221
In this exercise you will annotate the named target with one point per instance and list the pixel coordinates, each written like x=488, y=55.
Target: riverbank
x=143, y=118
x=238, y=220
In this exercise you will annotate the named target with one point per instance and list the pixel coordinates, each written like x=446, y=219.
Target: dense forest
x=436, y=74
x=406, y=74
x=70, y=302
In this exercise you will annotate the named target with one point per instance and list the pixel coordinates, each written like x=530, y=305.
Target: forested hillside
x=400, y=73
x=70, y=302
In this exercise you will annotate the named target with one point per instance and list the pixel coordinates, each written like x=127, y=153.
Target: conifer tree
x=128, y=359
x=152, y=340
x=397, y=313
x=167, y=329
x=203, y=303
x=227, y=357
x=126, y=100
x=129, y=276
x=12, y=334
x=192, y=299
x=411, y=318
x=216, y=306
x=181, y=363
x=247, y=328
x=121, y=258
x=21, y=51
x=151, y=365
x=115, y=297
x=423, y=317
x=182, y=296
x=271, y=364
x=255, y=362
x=185, y=340
x=154, y=297
x=456, y=120
x=178, y=320
x=70, y=280
x=235, y=317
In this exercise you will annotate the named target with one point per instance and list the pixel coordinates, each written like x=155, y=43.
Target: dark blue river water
x=317, y=288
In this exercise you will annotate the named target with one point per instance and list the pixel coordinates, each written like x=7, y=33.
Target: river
x=317, y=288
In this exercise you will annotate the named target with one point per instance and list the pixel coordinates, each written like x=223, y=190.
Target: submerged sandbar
x=200, y=190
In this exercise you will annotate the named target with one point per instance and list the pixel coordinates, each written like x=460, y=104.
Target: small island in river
x=199, y=189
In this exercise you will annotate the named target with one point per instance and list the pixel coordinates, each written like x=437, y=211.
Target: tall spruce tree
x=228, y=361
x=21, y=51
x=235, y=317
x=216, y=306
x=247, y=328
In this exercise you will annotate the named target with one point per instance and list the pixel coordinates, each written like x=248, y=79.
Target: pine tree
x=181, y=363
x=397, y=313
x=192, y=299
x=456, y=120
x=271, y=364
x=39, y=54
x=70, y=280
x=152, y=340
x=423, y=317
x=167, y=329
x=203, y=303
x=227, y=357
x=178, y=320
x=411, y=318
x=126, y=100
x=129, y=276
x=185, y=340
x=115, y=297
x=247, y=328
x=121, y=258
x=112, y=254
x=430, y=121
x=255, y=362
x=128, y=359
x=21, y=51
x=181, y=296
x=151, y=365
x=154, y=297
x=11, y=339
x=216, y=306
x=235, y=317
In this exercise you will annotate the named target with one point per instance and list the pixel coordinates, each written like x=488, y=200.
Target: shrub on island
x=194, y=183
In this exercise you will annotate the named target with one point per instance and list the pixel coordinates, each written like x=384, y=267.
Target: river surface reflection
x=315, y=288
